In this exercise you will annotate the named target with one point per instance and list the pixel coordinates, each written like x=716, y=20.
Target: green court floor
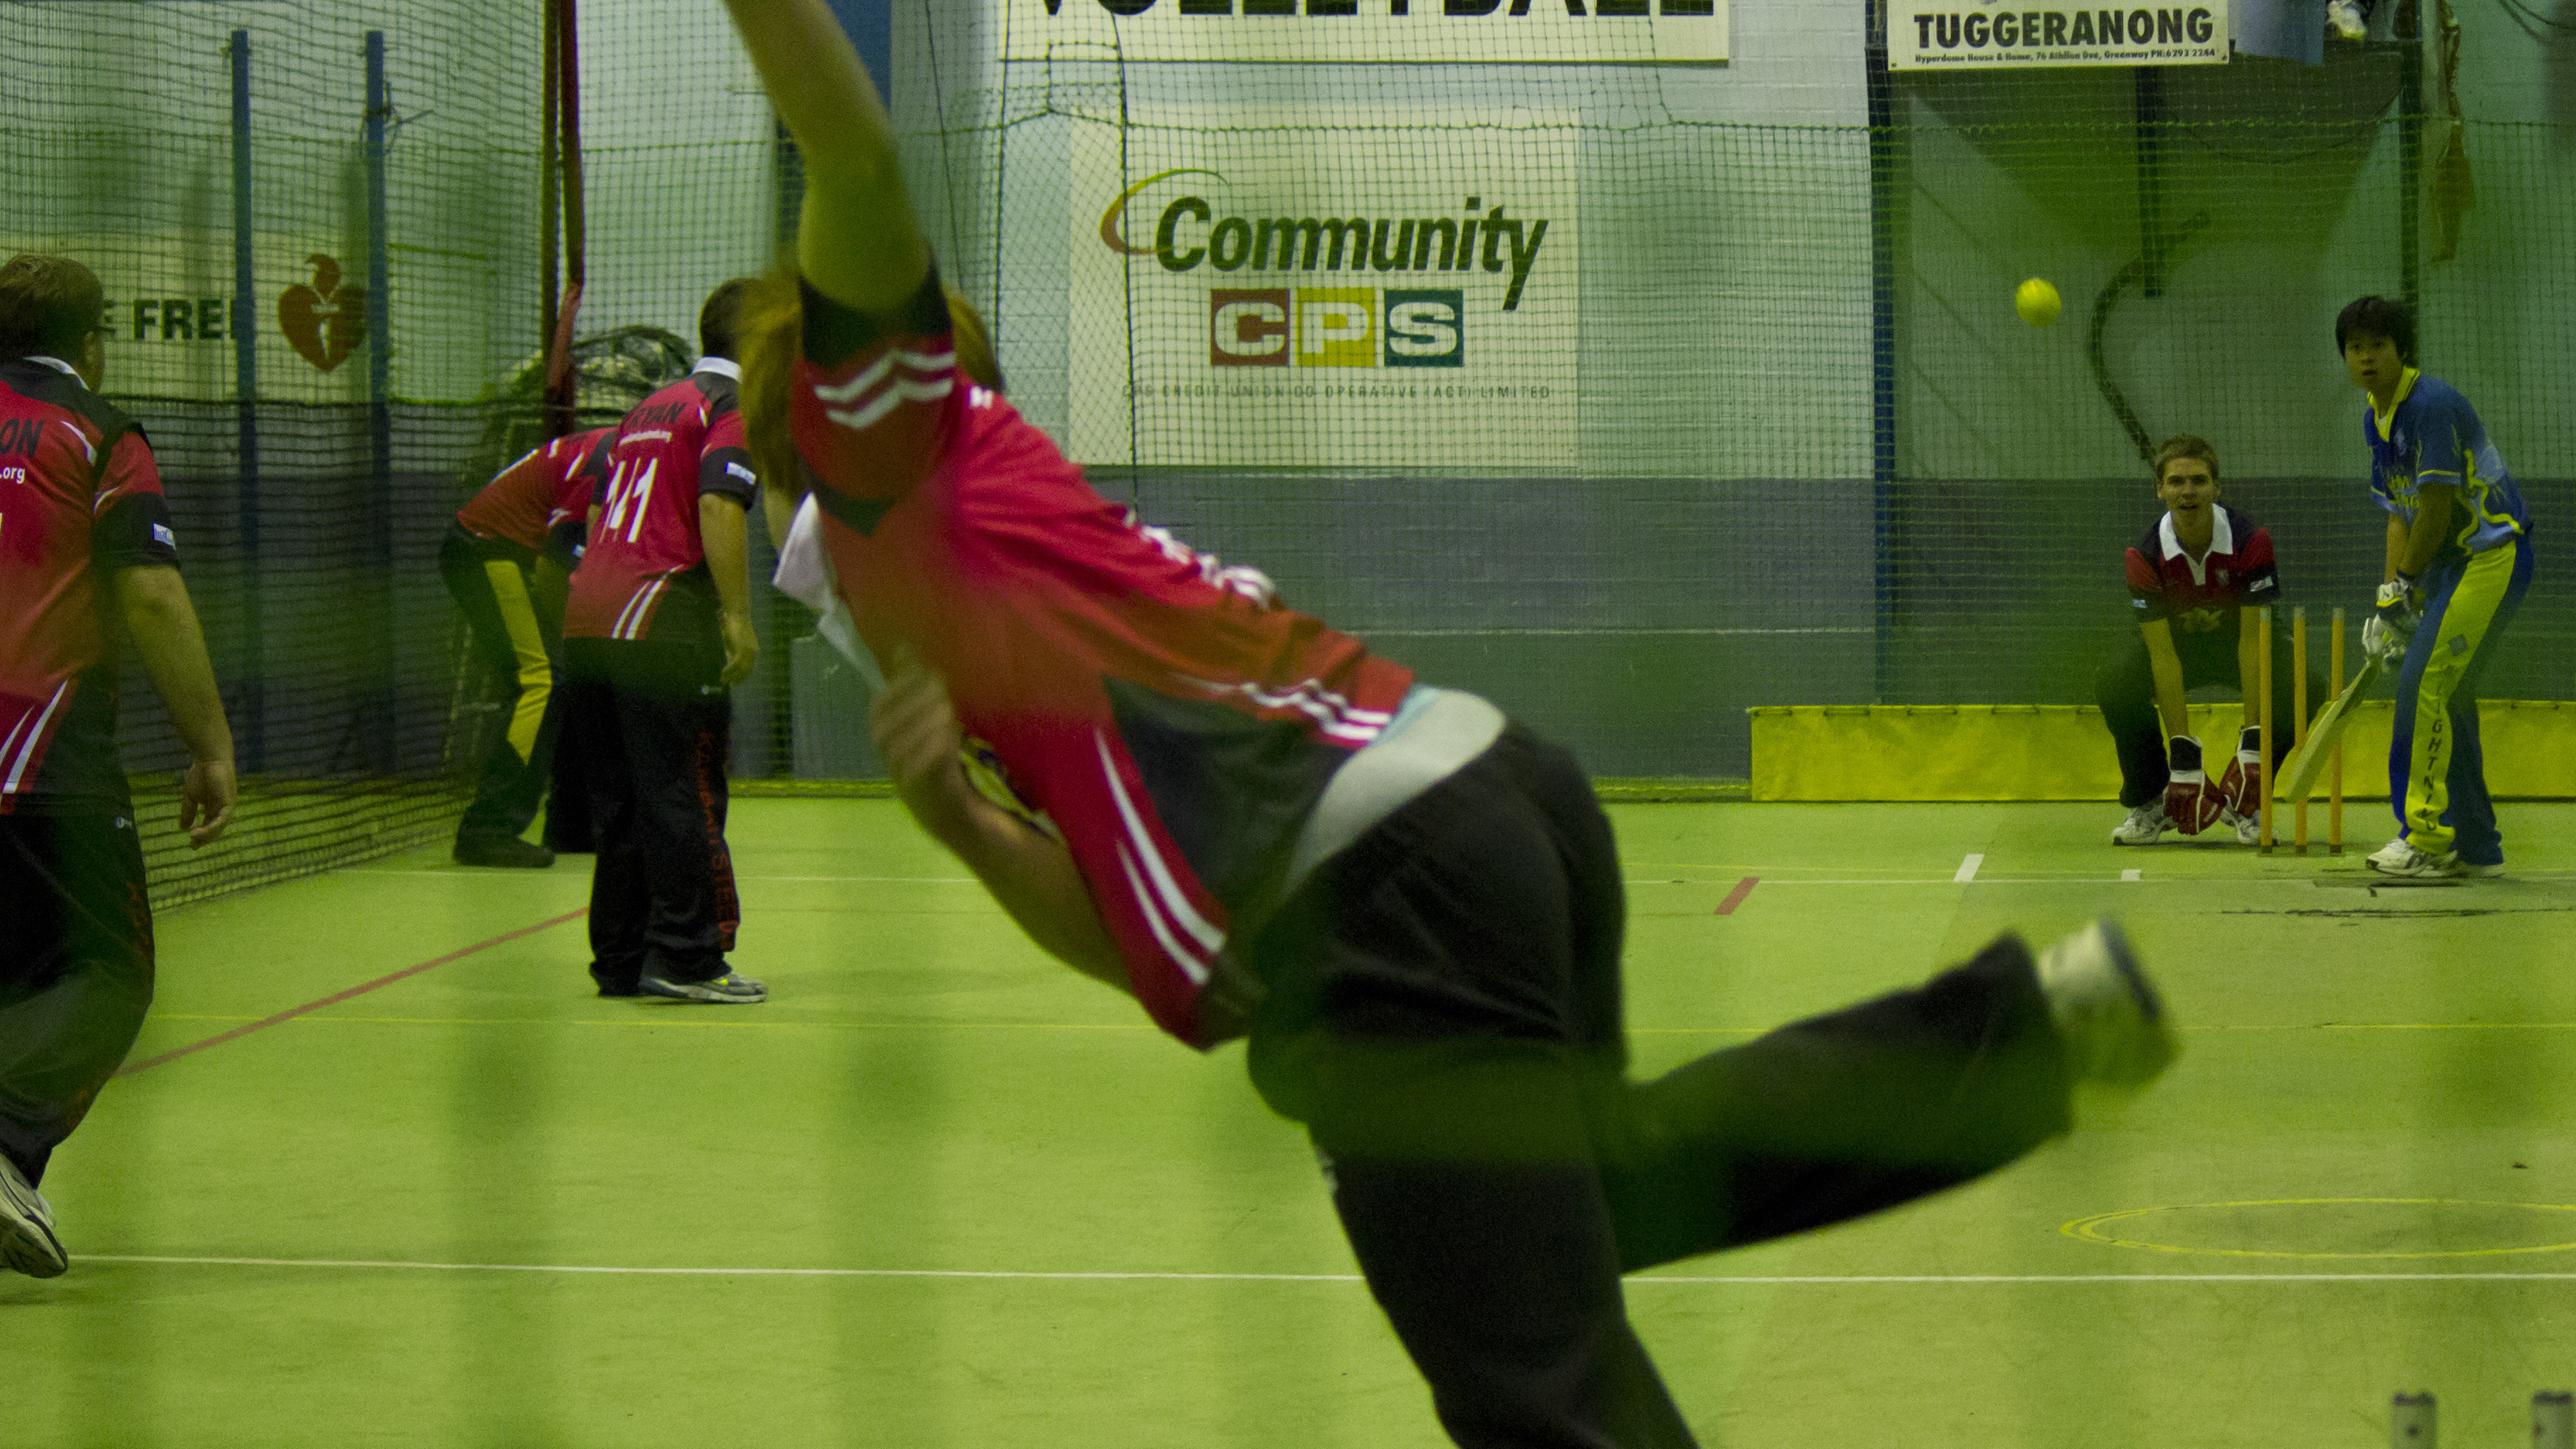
x=939, y=1192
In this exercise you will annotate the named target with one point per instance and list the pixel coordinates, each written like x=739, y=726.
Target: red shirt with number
x=682, y=442
x=80, y=497
x=1155, y=708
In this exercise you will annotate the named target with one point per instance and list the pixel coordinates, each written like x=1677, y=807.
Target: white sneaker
x=2345, y=19
x=2249, y=828
x=2145, y=825
x=2113, y=1023
x=27, y=1241
x=2399, y=857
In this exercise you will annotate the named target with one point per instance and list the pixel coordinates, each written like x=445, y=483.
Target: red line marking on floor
x=355, y=991
x=1736, y=896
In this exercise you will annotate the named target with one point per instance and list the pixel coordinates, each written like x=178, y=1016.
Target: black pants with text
x=75, y=971
x=657, y=732
x=1444, y=1016
x=2125, y=687
x=514, y=648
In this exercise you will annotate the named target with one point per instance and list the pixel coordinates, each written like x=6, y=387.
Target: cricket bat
x=2309, y=765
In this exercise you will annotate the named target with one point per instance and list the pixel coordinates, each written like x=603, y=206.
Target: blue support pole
x=250, y=704
x=1886, y=178
x=870, y=24
x=380, y=432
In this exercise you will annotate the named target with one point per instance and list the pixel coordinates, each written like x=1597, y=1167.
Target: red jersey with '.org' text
x=80, y=497
x=678, y=444
x=2203, y=595
x=1156, y=709
x=525, y=502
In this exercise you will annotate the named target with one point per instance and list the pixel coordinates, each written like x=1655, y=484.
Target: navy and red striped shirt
x=2203, y=595
x=80, y=497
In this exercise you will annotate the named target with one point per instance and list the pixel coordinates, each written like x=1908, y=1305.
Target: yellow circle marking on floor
x=2092, y=1229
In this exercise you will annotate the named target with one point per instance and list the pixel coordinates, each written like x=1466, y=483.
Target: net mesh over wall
x=309, y=505
x=1567, y=383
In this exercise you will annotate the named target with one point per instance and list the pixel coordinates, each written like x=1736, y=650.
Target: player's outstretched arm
x=163, y=624
x=1032, y=876
x=858, y=243
x=2173, y=701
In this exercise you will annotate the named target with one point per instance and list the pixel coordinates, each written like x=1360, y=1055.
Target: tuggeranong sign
x=1369, y=31
x=1990, y=35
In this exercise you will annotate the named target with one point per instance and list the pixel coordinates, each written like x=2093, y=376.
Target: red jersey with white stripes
x=525, y=501
x=1158, y=710
x=80, y=497
x=678, y=444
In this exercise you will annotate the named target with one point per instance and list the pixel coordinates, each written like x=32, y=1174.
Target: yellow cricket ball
x=2037, y=302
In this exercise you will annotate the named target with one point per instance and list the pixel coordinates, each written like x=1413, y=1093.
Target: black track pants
x=75, y=971
x=1444, y=1017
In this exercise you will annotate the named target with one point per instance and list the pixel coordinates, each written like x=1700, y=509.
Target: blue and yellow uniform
x=2436, y=776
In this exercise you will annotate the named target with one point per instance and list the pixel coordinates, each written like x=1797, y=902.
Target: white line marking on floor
x=2131, y=875
x=1968, y=869
x=1821, y=1280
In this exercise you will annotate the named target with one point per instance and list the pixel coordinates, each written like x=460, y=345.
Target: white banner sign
x=1361, y=31
x=1278, y=304
x=1987, y=35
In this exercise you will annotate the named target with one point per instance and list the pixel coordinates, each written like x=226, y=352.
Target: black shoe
x=502, y=850
x=726, y=990
x=614, y=983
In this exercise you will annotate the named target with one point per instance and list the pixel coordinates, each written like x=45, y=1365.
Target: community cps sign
x=1990, y=35
x=1286, y=307
x=1363, y=31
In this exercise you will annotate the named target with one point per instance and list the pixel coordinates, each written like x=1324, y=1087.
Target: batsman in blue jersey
x=2459, y=563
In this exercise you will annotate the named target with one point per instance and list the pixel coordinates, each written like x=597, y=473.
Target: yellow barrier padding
x=2063, y=751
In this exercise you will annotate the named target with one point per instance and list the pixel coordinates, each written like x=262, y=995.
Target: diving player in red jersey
x=87, y=560
x=657, y=631
x=1410, y=905
x=506, y=561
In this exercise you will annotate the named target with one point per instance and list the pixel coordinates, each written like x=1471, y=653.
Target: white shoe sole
x=697, y=991
x=2127, y=1042
x=27, y=1241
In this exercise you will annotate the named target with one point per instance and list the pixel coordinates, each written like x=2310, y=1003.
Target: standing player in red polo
x=2192, y=582
x=1410, y=905
x=87, y=561
x=657, y=631
x=505, y=562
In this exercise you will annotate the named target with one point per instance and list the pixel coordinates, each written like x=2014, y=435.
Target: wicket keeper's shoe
x=27, y=1241
x=502, y=850
x=2249, y=828
x=2399, y=857
x=2111, y=1019
x=730, y=989
x=2145, y=826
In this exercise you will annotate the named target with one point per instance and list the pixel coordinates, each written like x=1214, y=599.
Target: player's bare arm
x=2249, y=667
x=857, y=243
x=2173, y=704
x=1031, y=875
x=2410, y=555
x=721, y=532
x=163, y=624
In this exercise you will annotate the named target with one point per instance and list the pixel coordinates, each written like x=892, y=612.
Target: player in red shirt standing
x=657, y=631
x=505, y=561
x=2193, y=581
x=87, y=560
x=1410, y=905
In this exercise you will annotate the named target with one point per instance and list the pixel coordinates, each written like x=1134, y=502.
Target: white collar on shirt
x=2222, y=539
x=721, y=366
x=56, y=363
